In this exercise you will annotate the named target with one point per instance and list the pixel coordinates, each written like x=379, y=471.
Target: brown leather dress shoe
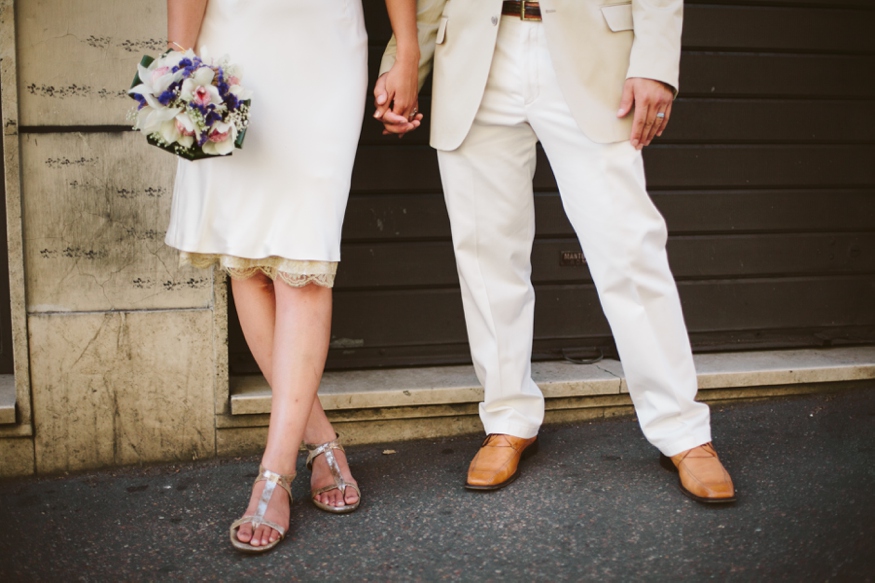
x=702, y=477
x=497, y=463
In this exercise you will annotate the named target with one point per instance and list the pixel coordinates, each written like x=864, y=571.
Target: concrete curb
x=455, y=385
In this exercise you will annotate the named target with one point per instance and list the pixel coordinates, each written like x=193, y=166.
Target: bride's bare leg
x=301, y=331
x=255, y=299
x=256, y=310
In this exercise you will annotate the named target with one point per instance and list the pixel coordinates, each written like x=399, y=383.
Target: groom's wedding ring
x=660, y=115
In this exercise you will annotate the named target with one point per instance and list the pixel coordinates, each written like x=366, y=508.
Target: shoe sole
x=527, y=453
x=347, y=509
x=251, y=550
x=666, y=463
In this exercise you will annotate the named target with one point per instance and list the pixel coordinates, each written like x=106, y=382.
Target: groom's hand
x=393, y=123
x=652, y=101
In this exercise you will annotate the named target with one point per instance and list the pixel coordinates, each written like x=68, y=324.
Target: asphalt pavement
x=592, y=505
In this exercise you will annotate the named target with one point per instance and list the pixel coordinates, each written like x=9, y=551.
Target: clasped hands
x=396, y=101
x=651, y=100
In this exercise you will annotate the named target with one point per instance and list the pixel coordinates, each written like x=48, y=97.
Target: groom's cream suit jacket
x=595, y=45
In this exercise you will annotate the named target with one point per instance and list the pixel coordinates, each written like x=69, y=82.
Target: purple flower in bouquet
x=191, y=105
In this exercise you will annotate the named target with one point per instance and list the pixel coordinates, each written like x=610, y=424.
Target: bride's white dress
x=277, y=205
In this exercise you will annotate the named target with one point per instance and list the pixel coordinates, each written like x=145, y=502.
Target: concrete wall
x=119, y=340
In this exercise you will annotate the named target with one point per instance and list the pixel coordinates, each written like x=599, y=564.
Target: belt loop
x=529, y=10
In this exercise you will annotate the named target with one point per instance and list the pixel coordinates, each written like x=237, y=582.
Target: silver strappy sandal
x=273, y=479
x=339, y=483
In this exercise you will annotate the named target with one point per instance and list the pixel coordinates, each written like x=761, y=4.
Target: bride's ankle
x=281, y=467
x=320, y=437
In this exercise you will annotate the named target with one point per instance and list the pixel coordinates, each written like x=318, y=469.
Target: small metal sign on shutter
x=572, y=259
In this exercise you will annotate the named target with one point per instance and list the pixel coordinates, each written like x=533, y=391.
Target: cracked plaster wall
x=76, y=59
x=121, y=387
x=122, y=341
x=96, y=208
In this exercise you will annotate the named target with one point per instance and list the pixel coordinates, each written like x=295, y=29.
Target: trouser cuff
x=676, y=446
x=521, y=430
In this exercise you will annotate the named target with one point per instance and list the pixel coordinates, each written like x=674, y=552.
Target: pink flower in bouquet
x=199, y=89
x=185, y=127
x=233, y=80
x=202, y=96
x=216, y=136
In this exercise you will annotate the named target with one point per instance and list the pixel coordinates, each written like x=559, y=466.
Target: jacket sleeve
x=428, y=16
x=656, y=50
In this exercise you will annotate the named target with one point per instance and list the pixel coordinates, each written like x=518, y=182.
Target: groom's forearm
x=184, y=18
x=428, y=16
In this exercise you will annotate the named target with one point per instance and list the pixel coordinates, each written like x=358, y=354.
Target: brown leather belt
x=524, y=10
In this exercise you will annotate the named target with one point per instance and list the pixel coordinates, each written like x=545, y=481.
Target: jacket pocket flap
x=442, y=31
x=618, y=16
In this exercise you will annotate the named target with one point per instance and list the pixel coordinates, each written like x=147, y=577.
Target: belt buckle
x=523, y=10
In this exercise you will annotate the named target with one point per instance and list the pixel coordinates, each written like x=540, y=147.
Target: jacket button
x=494, y=20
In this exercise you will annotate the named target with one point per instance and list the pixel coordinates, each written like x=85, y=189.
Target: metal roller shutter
x=766, y=177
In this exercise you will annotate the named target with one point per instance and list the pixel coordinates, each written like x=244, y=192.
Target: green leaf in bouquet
x=145, y=62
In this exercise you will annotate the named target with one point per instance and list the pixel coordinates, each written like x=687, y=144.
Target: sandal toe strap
x=342, y=487
x=256, y=522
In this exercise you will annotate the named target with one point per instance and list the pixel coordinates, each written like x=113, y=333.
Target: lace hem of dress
x=294, y=272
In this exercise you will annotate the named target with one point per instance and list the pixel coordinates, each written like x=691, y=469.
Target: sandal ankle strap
x=317, y=449
x=284, y=481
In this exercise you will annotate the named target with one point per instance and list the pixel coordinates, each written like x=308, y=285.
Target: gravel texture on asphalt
x=593, y=504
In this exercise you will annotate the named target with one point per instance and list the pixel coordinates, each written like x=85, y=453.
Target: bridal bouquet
x=190, y=105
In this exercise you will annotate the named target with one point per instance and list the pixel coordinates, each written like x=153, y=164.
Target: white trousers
x=488, y=189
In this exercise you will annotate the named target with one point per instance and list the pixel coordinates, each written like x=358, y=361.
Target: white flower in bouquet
x=221, y=139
